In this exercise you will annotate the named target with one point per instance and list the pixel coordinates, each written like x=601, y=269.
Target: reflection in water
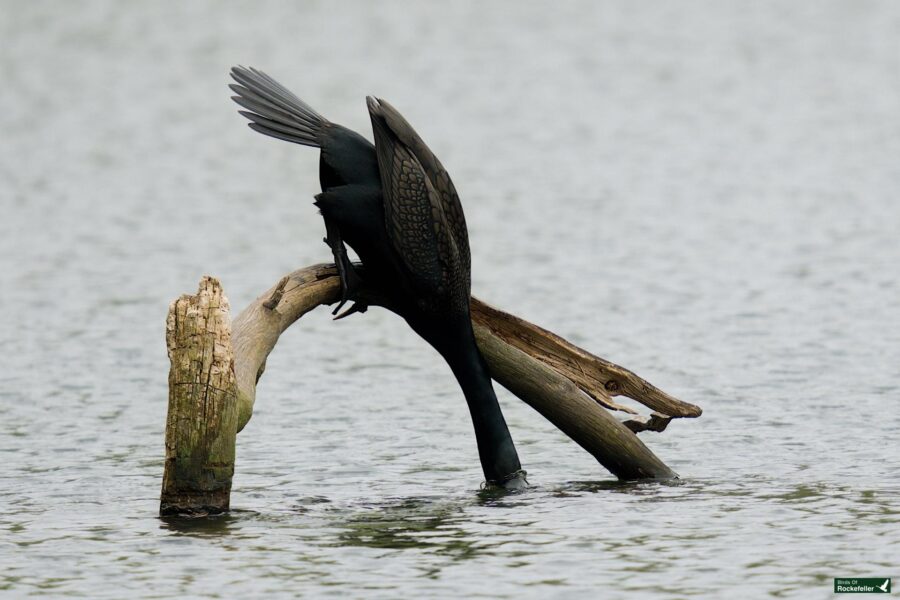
x=412, y=523
x=205, y=526
x=624, y=487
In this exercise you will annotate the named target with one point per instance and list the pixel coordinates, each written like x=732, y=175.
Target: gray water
x=706, y=193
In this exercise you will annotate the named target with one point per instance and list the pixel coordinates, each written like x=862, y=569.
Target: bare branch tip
x=655, y=422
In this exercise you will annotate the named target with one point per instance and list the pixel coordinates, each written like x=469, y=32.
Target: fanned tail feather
x=274, y=110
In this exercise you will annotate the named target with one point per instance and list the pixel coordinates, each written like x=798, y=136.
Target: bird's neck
x=495, y=446
x=473, y=376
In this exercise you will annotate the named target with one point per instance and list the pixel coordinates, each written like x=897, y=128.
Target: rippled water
x=706, y=193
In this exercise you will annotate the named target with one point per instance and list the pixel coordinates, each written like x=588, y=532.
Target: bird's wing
x=416, y=221
x=436, y=174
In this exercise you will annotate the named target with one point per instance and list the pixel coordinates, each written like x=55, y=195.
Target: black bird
x=395, y=205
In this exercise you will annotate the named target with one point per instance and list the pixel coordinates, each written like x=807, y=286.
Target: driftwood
x=597, y=377
x=560, y=401
x=258, y=327
x=566, y=384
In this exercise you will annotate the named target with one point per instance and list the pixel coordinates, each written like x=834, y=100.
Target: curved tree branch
x=256, y=329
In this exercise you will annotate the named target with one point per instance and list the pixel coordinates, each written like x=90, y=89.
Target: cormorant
x=395, y=205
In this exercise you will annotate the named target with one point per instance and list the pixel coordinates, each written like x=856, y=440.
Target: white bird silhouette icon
x=883, y=586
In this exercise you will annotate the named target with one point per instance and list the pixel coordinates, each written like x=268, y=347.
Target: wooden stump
x=202, y=421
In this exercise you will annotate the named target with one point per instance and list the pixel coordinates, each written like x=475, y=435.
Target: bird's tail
x=274, y=110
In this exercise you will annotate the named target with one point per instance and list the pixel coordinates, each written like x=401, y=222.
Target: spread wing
x=435, y=173
x=426, y=228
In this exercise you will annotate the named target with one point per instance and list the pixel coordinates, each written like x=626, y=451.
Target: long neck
x=495, y=445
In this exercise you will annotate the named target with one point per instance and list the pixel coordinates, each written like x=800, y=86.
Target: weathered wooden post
x=202, y=422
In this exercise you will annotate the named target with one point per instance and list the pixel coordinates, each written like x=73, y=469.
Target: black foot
x=358, y=307
x=351, y=282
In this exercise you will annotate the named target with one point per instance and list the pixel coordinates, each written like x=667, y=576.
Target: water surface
x=705, y=193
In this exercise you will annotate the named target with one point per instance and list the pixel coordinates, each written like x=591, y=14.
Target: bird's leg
x=351, y=282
